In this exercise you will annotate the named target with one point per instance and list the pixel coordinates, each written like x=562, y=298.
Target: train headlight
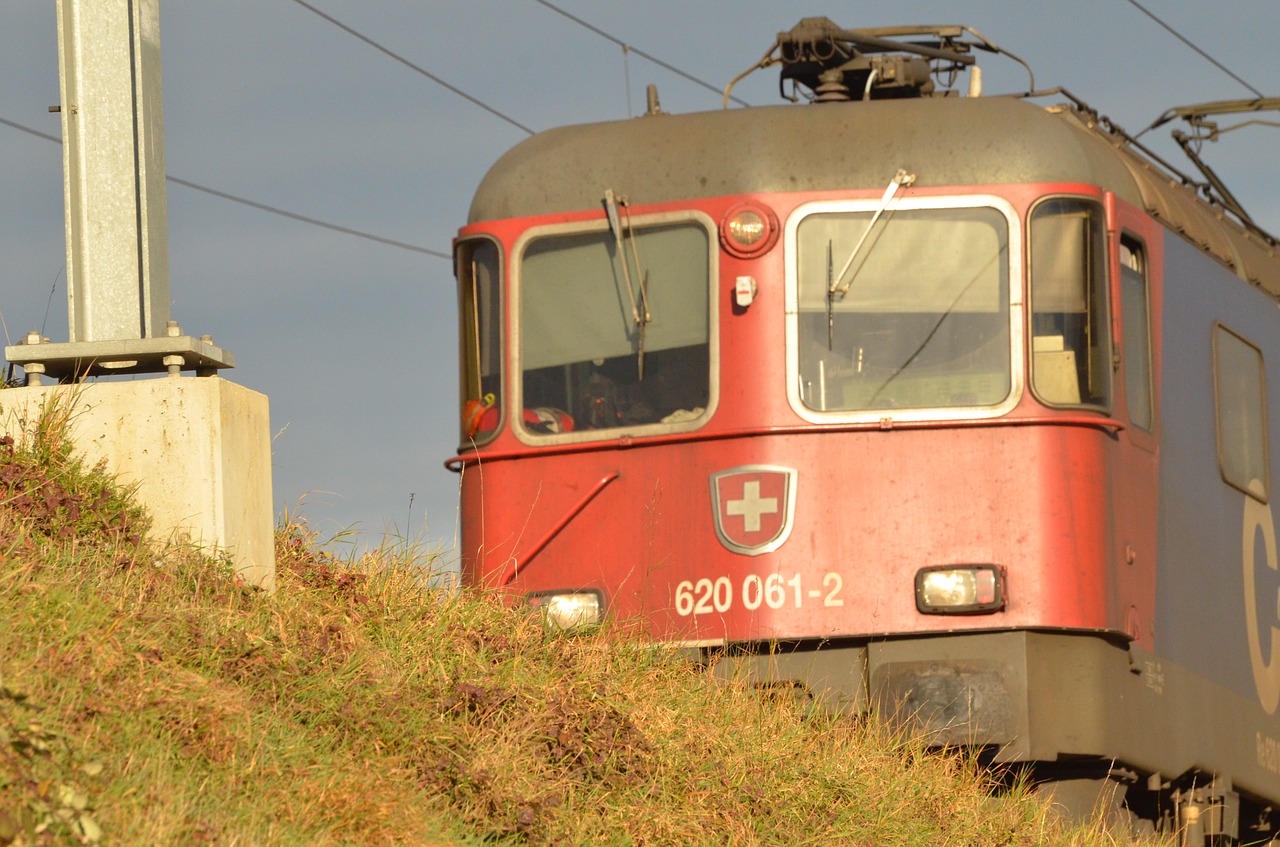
x=569, y=610
x=960, y=589
x=748, y=230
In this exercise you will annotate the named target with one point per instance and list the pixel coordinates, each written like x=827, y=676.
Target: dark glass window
x=911, y=313
x=1071, y=357
x=615, y=338
x=1136, y=317
x=1241, y=401
x=480, y=335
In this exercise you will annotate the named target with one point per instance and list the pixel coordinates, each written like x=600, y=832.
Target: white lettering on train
x=1268, y=753
x=705, y=596
x=1266, y=676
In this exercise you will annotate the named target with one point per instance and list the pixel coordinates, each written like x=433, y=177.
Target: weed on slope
x=149, y=697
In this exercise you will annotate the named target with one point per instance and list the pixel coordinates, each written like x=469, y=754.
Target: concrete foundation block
x=197, y=448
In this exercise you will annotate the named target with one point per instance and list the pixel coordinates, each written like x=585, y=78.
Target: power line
x=1188, y=42
x=244, y=201
x=37, y=133
x=402, y=60
x=304, y=219
x=636, y=50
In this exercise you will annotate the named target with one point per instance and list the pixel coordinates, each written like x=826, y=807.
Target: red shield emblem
x=753, y=507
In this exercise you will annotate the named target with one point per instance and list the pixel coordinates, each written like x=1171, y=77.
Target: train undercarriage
x=1041, y=706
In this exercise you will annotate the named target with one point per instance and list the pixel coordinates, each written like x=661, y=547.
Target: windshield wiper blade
x=831, y=294
x=639, y=307
x=900, y=179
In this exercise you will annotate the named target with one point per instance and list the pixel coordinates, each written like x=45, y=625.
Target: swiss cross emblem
x=753, y=506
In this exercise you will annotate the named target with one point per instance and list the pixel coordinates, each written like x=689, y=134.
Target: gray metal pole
x=113, y=169
x=114, y=187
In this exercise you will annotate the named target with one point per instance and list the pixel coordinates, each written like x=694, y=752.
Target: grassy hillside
x=149, y=698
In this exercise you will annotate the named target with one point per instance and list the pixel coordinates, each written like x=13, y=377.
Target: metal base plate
x=70, y=361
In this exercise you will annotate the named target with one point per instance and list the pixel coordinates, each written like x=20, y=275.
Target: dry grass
x=149, y=698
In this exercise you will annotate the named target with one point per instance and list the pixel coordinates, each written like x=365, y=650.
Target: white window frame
x=516, y=380
x=1017, y=375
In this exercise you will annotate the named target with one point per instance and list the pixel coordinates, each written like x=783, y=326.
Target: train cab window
x=910, y=311
x=1071, y=355
x=615, y=337
x=1136, y=322
x=479, y=287
x=1240, y=400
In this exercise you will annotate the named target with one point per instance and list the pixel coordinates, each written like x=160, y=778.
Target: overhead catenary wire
x=244, y=201
x=627, y=48
x=368, y=236
x=423, y=71
x=234, y=198
x=633, y=49
x=1190, y=44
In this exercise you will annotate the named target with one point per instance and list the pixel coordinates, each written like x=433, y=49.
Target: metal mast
x=114, y=192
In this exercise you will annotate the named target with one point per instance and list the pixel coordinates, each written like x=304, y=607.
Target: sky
x=354, y=341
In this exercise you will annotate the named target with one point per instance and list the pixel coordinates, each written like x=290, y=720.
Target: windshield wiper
x=639, y=307
x=900, y=179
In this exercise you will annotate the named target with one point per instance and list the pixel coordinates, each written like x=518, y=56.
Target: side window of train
x=616, y=335
x=1071, y=353
x=1136, y=321
x=1241, y=403
x=480, y=292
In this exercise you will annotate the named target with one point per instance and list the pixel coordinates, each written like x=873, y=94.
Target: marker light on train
x=569, y=610
x=748, y=230
x=960, y=589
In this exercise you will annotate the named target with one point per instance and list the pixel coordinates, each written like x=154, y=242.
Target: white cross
x=751, y=506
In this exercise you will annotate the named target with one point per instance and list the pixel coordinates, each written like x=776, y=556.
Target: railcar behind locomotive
x=944, y=405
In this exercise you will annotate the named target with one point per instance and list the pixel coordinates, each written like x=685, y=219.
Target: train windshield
x=615, y=328
x=916, y=317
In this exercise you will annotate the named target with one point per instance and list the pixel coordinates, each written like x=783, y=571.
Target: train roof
x=944, y=141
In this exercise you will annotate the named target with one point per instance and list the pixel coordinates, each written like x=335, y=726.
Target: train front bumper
x=1027, y=695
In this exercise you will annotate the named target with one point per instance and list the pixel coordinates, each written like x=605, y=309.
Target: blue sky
x=354, y=341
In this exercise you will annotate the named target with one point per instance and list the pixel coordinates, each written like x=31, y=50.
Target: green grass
x=149, y=698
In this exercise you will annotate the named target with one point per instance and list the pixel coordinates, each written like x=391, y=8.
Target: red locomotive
x=949, y=406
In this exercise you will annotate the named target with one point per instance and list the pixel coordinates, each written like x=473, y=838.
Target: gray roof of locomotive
x=944, y=141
